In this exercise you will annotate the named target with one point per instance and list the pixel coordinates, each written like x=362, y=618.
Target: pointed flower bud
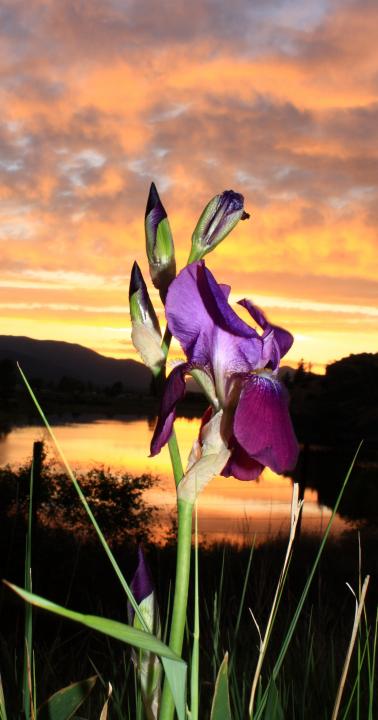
x=147, y=664
x=145, y=333
x=219, y=217
x=159, y=243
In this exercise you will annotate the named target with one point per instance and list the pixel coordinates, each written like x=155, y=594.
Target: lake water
x=227, y=507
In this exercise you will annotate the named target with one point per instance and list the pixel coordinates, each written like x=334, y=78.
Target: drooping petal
x=283, y=338
x=209, y=331
x=240, y=465
x=262, y=424
x=174, y=391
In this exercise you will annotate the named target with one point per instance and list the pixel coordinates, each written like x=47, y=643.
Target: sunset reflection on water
x=227, y=507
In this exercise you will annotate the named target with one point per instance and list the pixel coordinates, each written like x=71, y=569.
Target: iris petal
x=262, y=424
x=209, y=331
x=283, y=338
x=241, y=466
x=174, y=390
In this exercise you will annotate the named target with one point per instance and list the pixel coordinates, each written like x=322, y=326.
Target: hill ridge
x=52, y=360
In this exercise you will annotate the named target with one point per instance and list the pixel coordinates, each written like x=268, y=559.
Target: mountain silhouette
x=52, y=360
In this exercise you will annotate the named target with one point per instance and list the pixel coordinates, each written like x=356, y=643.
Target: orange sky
x=276, y=100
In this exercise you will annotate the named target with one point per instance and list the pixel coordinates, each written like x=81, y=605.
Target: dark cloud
x=276, y=145
x=103, y=29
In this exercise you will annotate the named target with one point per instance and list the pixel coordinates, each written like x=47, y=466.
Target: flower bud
x=145, y=333
x=147, y=664
x=159, y=243
x=219, y=217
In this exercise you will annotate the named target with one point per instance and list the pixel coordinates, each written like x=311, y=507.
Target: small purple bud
x=147, y=665
x=219, y=217
x=142, y=585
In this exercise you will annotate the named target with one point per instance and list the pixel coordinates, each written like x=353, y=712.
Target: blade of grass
x=217, y=609
x=220, y=708
x=113, y=628
x=104, y=711
x=194, y=691
x=296, y=507
x=372, y=669
x=244, y=590
x=28, y=644
x=350, y=648
x=3, y=712
x=360, y=662
x=63, y=704
x=302, y=599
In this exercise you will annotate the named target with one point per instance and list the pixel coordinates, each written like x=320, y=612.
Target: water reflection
x=227, y=506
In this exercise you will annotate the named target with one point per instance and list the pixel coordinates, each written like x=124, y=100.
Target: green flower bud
x=159, y=243
x=219, y=217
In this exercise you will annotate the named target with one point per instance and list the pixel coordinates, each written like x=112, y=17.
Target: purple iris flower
x=237, y=367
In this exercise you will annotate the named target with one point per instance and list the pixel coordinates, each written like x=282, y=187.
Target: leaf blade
x=63, y=704
x=220, y=709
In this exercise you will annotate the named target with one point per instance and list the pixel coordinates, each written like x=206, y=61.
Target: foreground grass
x=77, y=574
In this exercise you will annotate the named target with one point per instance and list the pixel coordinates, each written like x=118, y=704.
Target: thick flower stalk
x=147, y=664
x=145, y=331
x=219, y=217
x=237, y=368
x=159, y=243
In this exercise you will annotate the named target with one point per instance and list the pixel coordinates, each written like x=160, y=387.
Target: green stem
x=174, y=452
x=184, y=543
x=166, y=341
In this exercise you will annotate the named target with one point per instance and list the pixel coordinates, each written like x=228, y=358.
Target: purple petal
x=226, y=289
x=141, y=585
x=262, y=424
x=241, y=466
x=209, y=331
x=217, y=306
x=187, y=317
x=174, y=391
x=283, y=338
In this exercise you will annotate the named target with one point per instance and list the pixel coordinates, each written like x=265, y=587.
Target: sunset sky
x=276, y=99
